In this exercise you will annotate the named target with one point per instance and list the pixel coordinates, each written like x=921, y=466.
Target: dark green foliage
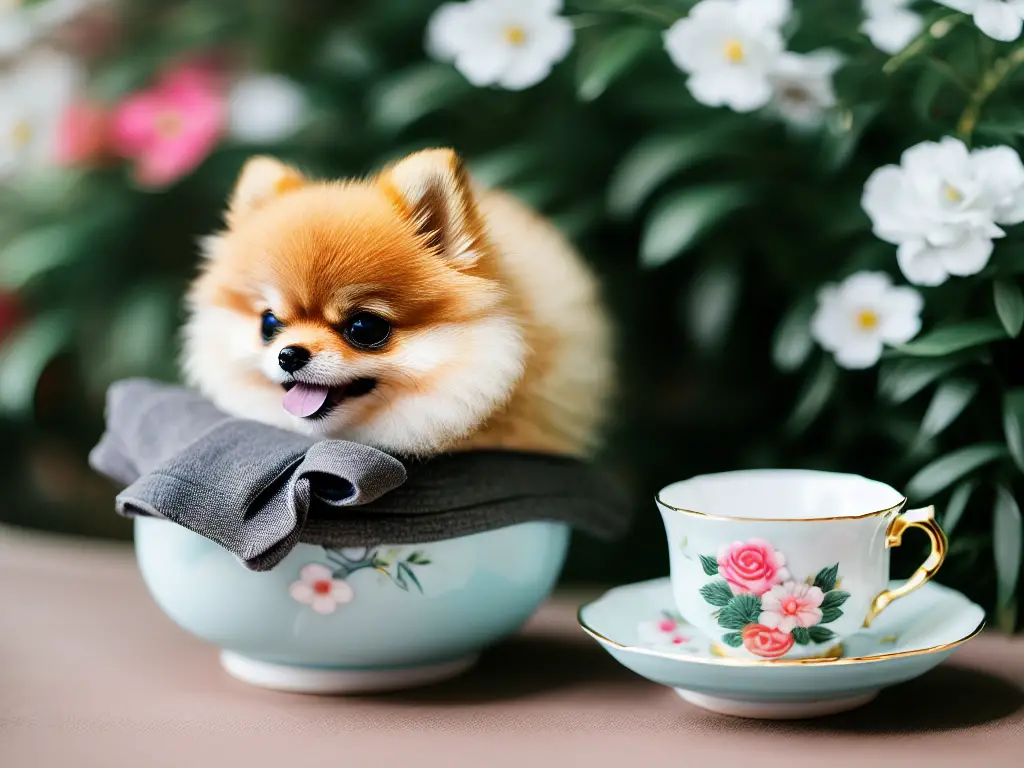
x=671, y=201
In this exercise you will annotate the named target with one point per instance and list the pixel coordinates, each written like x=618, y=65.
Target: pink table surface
x=93, y=674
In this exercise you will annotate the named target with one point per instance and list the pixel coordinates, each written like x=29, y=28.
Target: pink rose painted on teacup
x=751, y=567
x=766, y=642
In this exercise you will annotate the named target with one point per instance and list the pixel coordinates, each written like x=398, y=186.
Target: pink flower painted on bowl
x=766, y=642
x=318, y=589
x=666, y=632
x=751, y=567
x=787, y=606
x=169, y=129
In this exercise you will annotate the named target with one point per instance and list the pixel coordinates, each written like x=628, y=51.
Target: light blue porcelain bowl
x=351, y=620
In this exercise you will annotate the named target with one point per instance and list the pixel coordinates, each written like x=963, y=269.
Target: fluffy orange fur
x=498, y=335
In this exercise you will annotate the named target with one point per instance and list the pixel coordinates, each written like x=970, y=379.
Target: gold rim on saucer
x=734, y=662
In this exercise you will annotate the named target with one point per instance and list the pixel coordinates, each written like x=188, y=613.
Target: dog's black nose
x=292, y=358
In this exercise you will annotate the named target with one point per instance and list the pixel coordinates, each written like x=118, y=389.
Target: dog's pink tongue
x=304, y=399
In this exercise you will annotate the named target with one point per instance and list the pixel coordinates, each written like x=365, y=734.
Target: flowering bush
x=807, y=215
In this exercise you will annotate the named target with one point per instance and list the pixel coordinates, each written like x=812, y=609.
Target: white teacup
x=784, y=564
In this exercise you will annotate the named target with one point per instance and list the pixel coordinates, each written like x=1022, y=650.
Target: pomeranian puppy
x=411, y=311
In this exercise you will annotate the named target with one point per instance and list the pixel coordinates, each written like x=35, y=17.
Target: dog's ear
x=261, y=180
x=432, y=189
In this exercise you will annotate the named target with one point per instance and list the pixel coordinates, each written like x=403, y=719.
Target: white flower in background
x=802, y=86
x=889, y=25
x=22, y=23
x=857, y=317
x=266, y=108
x=941, y=205
x=509, y=43
x=999, y=19
x=729, y=48
x=318, y=589
x=33, y=97
x=15, y=28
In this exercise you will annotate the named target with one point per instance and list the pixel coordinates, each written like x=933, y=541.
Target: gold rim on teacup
x=737, y=662
x=894, y=508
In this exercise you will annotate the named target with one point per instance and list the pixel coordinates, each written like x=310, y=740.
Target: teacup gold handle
x=915, y=518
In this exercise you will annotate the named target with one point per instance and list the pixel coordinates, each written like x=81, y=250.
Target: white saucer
x=637, y=624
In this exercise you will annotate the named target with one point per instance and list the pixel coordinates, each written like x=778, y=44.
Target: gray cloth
x=258, y=490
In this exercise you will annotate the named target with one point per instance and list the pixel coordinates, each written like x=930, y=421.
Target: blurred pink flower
x=10, y=313
x=169, y=129
x=83, y=134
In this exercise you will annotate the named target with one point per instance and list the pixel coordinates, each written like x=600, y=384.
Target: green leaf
x=653, y=160
x=938, y=475
x=845, y=128
x=801, y=636
x=1013, y=424
x=717, y=593
x=709, y=564
x=830, y=614
x=820, y=634
x=948, y=402
x=123, y=74
x=814, y=396
x=140, y=332
x=899, y=382
x=24, y=356
x=505, y=165
x=733, y=639
x=956, y=505
x=679, y=221
x=711, y=303
x=535, y=192
x=601, y=64
x=1009, y=306
x=929, y=86
x=826, y=578
x=792, y=342
x=407, y=571
x=953, y=338
x=741, y=610
x=578, y=219
x=413, y=93
x=834, y=599
x=36, y=252
x=1007, y=538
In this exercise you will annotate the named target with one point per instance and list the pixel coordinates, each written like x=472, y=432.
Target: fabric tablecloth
x=93, y=674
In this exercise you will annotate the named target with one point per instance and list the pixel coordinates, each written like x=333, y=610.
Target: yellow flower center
x=515, y=35
x=733, y=50
x=952, y=194
x=867, y=320
x=21, y=134
x=168, y=124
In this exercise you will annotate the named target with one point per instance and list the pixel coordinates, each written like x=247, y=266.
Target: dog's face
x=363, y=310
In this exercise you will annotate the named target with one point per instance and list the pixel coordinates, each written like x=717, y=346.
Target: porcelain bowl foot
x=775, y=710
x=325, y=680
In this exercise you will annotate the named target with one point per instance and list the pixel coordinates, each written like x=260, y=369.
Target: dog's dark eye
x=366, y=330
x=269, y=326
